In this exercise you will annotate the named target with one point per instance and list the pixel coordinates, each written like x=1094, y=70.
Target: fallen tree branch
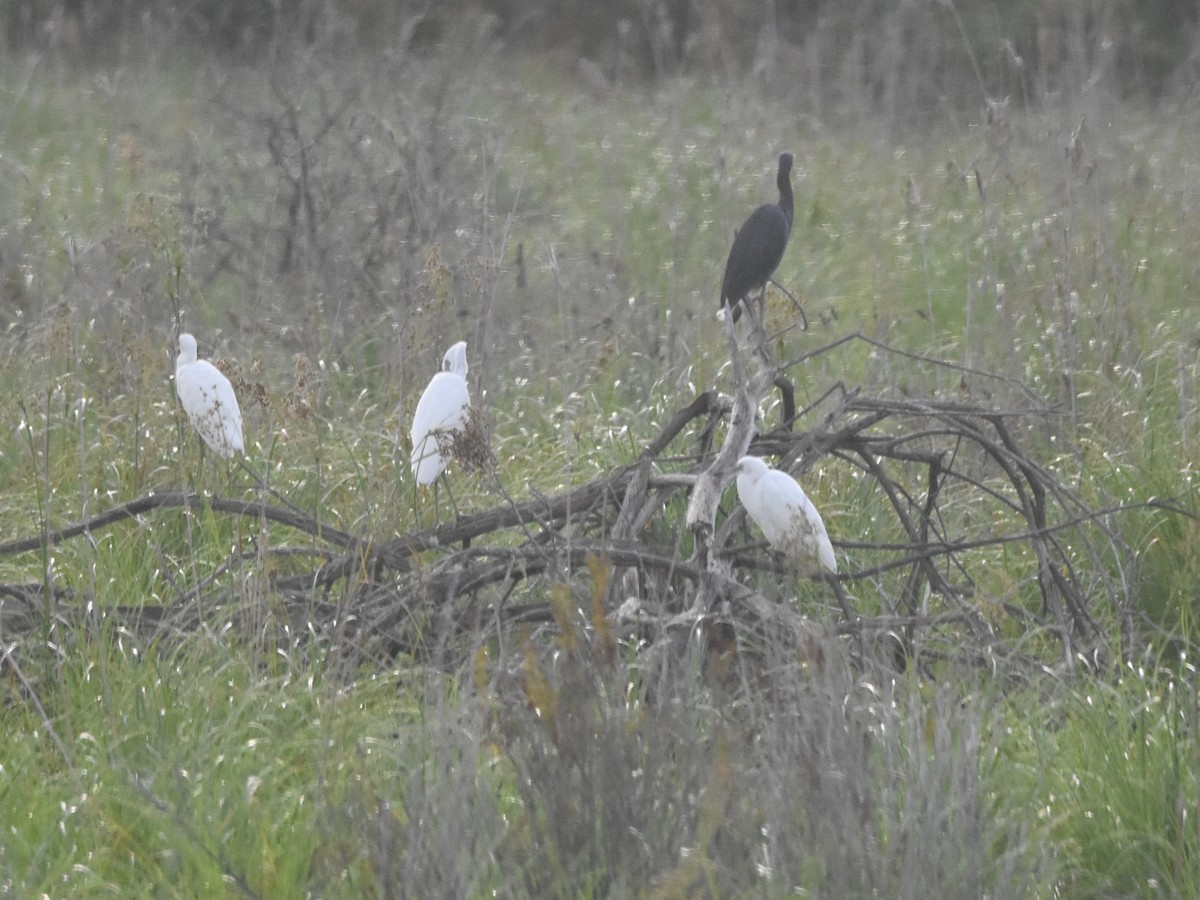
x=970, y=537
x=182, y=500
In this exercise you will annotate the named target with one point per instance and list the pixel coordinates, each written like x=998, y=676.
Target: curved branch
x=179, y=499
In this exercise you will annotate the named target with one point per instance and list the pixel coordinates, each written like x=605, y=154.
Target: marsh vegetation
x=304, y=677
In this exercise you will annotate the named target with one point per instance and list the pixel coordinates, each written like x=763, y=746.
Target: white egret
x=208, y=399
x=779, y=506
x=441, y=411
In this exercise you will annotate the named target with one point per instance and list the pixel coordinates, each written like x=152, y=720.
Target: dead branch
x=977, y=552
x=181, y=500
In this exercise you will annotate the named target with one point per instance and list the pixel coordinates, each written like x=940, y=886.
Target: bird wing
x=781, y=504
x=790, y=521
x=211, y=406
x=442, y=409
x=824, y=548
x=756, y=252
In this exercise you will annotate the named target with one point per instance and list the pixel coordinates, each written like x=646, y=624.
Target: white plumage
x=442, y=410
x=208, y=399
x=779, y=506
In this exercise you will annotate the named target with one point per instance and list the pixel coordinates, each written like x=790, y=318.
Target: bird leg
x=421, y=494
x=758, y=323
x=453, y=505
x=734, y=356
x=198, y=485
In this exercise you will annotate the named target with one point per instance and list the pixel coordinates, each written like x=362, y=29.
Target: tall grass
x=189, y=769
x=1110, y=768
x=329, y=235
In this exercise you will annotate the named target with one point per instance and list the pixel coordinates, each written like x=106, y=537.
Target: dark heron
x=758, y=246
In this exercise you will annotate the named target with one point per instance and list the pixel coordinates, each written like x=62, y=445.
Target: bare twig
x=958, y=486
x=180, y=499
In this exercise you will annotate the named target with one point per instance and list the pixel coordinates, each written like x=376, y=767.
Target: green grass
x=192, y=768
x=1111, y=771
x=254, y=756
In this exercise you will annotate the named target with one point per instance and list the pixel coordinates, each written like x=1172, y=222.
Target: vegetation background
x=997, y=201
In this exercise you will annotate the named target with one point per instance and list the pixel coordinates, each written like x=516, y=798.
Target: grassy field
x=177, y=718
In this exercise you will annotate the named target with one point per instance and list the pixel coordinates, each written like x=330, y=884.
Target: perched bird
x=758, y=246
x=442, y=410
x=208, y=399
x=779, y=506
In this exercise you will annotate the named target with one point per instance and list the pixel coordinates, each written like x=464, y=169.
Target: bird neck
x=785, y=199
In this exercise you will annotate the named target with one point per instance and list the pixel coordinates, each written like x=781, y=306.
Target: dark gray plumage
x=758, y=247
